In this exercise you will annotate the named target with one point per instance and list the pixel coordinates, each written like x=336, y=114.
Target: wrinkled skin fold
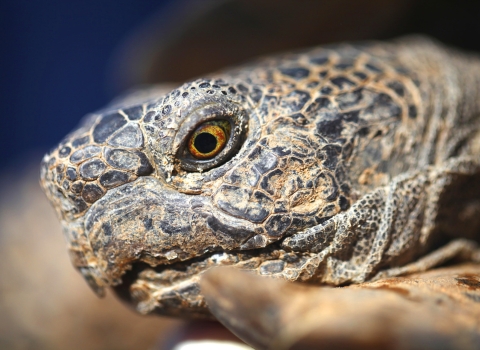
x=344, y=164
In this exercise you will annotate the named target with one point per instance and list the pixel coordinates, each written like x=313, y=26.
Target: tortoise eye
x=209, y=139
x=209, y=136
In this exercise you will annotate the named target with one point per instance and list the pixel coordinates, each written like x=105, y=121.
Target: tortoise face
x=203, y=169
x=217, y=172
x=220, y=171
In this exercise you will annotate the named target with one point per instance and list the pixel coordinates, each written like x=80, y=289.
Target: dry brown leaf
x=430, y=310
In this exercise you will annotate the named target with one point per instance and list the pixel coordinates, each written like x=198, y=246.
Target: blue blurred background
x=55, y=59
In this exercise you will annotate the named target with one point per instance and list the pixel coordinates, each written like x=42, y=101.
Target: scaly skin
x=344, y=164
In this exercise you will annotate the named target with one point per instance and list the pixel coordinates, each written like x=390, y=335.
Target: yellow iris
x=209, y=139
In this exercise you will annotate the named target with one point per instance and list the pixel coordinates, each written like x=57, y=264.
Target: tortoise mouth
x=173, y=289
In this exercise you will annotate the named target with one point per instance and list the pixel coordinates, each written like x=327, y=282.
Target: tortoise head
x=211, y=169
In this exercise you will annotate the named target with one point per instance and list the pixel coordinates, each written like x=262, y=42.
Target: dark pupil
x=205, y=142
